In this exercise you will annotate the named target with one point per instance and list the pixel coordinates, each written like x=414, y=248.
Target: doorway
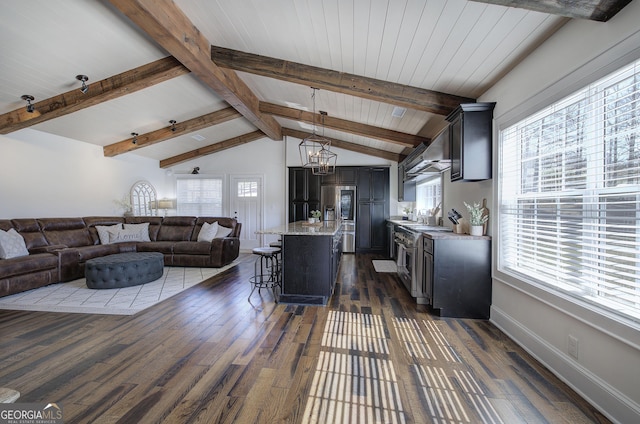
x=246, y=207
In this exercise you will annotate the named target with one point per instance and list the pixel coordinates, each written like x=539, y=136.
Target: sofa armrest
x=225, y=250
x=47, y=249
x=68, y=263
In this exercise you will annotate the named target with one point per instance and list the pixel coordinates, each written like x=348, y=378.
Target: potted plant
x=315, y=216
x=124, y=203
x=477, y=219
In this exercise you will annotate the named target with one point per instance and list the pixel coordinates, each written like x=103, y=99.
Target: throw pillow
x=208, y=232
x=142, y=228
x=223, y=231
x=104, y=230
x=12, y=245
x=125, y=235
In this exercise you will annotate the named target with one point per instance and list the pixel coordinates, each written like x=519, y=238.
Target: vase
x=476, y=230
x=312, y=220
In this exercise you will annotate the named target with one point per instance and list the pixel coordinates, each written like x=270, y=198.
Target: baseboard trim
x=607, y=399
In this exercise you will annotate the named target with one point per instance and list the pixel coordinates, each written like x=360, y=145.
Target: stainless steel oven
x=407, y=244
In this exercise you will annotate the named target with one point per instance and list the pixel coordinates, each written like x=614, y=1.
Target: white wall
x=44, y=175
x=607, y=370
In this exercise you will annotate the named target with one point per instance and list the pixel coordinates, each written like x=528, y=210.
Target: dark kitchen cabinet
x=406, y=189
x=470, y=136
x=344, y=176
x=457, y=276
x=373, y=209
x=347, y=175
x=310, y=266
x=304, y=193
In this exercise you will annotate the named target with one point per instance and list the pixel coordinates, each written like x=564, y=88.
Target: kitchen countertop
x=302, y=228
x=438, y=234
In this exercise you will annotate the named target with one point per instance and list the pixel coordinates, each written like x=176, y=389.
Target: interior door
x=247, y=206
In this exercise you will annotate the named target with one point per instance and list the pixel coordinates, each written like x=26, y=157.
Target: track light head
x=29, y=98
x=84, y=79
x=134, y=140
x=196, y=170
x=173, y=125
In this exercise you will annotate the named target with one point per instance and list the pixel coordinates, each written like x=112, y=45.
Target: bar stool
x=266, y=269
x=277, y=244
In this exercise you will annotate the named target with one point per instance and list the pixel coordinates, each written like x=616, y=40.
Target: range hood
x=429, y=159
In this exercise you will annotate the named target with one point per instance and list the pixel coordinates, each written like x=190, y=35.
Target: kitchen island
x=310, y=259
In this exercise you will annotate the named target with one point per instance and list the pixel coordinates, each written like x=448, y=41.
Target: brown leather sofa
x=59, y=247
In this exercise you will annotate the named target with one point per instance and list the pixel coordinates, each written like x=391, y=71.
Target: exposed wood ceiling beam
x=595, y=10
x=213, y=148
x=99, y=91
x=165, y=23
x=396, y=137
x=348, y=146
x=354, y=85
x=162, y=134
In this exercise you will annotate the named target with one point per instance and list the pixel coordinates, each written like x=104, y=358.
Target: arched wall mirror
x=143, y=198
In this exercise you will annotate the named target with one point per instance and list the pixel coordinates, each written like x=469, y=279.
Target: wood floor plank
x=209, y=354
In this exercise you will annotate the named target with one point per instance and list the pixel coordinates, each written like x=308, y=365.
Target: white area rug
x=76, y=297
x=385, y=266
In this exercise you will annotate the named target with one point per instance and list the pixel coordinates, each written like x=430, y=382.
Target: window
x=428, y=195
x=199, y=196
x=569, y=191
x=247, y=188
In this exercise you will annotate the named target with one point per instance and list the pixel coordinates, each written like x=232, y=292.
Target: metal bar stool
x=266, y=273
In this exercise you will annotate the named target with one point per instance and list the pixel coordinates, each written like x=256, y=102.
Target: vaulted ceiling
x=232, y=71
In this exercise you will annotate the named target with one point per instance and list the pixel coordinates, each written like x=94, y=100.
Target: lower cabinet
x=457, y=276
x=310, y=267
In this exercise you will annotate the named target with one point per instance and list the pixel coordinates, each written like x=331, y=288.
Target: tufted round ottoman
x=123, y=270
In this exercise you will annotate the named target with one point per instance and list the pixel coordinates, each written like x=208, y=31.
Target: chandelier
x=315, y=150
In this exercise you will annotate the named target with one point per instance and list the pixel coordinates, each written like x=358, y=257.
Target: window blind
x=569, y=190
x=199, y=196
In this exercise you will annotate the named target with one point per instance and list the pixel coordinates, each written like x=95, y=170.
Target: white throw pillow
x=122, y=236
x=223, y=231
x=104, y=230
x=208, y=232
x=142, y=228
x=12, y=245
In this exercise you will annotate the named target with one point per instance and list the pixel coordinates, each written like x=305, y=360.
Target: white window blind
x=199, y=196
x=428, y=195
x=569, y=190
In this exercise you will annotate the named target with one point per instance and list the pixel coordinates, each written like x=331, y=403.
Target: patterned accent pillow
x=12, y=245
x=143, y=229
x=104, y=230
x=208, y=232
x=125, y=235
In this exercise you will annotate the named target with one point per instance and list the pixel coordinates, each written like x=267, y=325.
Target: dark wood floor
x=209, y=356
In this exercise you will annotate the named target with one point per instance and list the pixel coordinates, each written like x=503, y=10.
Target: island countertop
x=303, y=228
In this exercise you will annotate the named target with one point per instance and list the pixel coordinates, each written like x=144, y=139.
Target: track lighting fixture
x=196, y=170
x=84, y=80
x=135, y=137
x=29, y=99
x=173, y=125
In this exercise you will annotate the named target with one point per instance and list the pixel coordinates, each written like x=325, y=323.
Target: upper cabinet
x=471, y=135
x=406, y=189
x=344, y=175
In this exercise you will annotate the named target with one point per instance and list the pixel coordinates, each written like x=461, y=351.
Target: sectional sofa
x=59, y=247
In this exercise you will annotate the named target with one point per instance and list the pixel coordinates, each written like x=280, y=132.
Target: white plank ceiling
x=454, y=46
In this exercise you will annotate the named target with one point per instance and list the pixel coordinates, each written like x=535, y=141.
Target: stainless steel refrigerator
x=339, y=202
